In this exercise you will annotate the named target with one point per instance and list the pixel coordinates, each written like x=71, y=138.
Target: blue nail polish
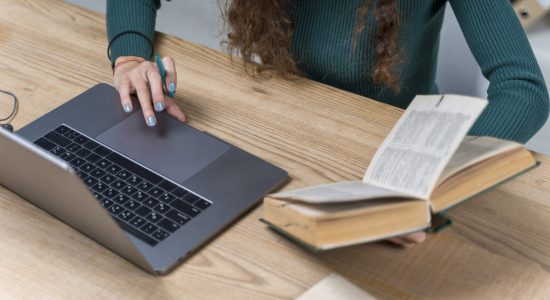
x=172, y=87
x=127, y=108
x=151, y=121
x=159, y=106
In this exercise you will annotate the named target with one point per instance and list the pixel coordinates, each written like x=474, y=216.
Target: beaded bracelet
x=127, y=60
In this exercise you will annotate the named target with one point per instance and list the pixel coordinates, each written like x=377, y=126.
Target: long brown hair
x=263, y=29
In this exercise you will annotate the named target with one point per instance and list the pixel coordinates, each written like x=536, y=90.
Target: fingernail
x=151, y=121
x=172, y=87
x=159, y=106
x=127, y=108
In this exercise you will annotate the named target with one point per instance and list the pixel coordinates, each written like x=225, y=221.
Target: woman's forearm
x=518, y=98
x=131, y=15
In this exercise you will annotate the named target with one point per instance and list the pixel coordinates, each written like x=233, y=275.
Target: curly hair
x=263, y=29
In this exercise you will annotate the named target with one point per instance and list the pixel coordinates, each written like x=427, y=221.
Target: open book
x=426, y=165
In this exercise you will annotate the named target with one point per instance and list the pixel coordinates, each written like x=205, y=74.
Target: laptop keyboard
x=144, y=203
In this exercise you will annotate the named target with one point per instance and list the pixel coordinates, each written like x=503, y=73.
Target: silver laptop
x=151, y=194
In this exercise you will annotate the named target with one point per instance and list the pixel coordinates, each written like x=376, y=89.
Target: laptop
x=151, y=194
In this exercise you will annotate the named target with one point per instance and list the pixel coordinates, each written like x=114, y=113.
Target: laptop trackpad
x=173, y=149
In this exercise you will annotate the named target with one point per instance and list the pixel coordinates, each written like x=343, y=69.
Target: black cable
x=11, y=116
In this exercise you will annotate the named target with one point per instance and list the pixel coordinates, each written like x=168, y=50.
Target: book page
x=417, y=149
x=335, y=287
x=474, y=150
x=347, y=191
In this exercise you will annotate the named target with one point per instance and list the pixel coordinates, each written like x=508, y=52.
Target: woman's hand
x=410, y=239
x=143, y=78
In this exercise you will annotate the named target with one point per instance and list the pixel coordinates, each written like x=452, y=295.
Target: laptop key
x=62, y=129
x=118, y=184
x=115, y=209
x=58, y=151
x=113, y=169
x=154, y=217
x=87, y=167
x=90, y=145
x=77, y=162
x=140, y=196
x=179, y=192
x=108, y=178
x=160, y=235
x=149, y=228
x=123, y=175
x=143, y=211
x=167, y=198
x=120, y=199
x=93, y=158
x=168, y=225
x=100, y=187
x=44, y=144
x=132, y=205
x=167, y=185
x=138, y=234
x=81, y=140
x=150, y=202
x=70, y=134
x=156, y=192
x=106, y=203
x=98, y=173
x=83, y=152
x=102, y=151
x=73, y=147
x=90, y=181
x=126, y=215
x=177, y=217
x=145, y=186
x=110, y=193
x=202, y=204
x=137, y=222
x=58, y=139
x=162, y=208
x=103, y=163
x=129, y=190
x=134, y=180
x=185, y=208
x=67, y=156
x=190, y=198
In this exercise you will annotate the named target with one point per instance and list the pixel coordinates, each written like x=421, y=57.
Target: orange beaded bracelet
x=127, y=60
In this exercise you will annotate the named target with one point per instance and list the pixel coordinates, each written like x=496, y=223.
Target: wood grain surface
x=50, y=51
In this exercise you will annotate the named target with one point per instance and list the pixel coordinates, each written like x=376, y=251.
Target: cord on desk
x=5, y=122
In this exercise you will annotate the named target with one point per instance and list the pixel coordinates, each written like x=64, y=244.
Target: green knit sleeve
x=134, y=15
x=518, y=98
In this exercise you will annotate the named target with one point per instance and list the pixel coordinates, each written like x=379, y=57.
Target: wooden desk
x=50, y=51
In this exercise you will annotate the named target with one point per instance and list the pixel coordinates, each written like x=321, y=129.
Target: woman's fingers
x=410, y=240
x=144, y=79
x=416, y=237
x=173, y=109
x=402, y=242
x=155, y=85
x=171, y=75
x=145, y=102
x=125, y=99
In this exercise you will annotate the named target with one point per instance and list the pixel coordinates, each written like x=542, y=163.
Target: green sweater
x=322, y=46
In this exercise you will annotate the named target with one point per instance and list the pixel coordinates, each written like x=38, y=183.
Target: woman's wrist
x=125, y=61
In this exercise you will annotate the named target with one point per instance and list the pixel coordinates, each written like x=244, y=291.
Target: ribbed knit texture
x=323, y=47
